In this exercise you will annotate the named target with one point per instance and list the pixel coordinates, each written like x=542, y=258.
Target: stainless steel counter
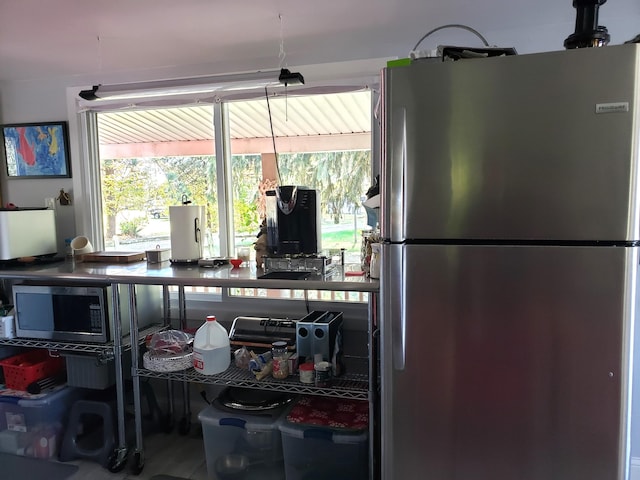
x=166, y=273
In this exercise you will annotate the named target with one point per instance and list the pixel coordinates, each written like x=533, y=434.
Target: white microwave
x=80, y=313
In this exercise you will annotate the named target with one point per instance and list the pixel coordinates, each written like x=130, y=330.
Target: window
x=153, y=158
x=223, y=156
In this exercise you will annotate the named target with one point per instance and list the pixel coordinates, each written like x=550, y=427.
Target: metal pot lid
x=252, y=400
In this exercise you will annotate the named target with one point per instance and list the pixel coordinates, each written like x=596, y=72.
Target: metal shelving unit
x=359, y=383
x=349, y=385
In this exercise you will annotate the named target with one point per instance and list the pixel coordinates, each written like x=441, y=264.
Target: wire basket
x=26, y=368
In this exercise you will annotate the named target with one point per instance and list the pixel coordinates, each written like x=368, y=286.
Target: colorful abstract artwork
x=37, y=150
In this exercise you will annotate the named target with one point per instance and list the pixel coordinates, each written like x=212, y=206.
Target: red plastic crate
x=26, y=368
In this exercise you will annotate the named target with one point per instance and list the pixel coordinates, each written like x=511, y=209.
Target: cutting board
x=113, y=257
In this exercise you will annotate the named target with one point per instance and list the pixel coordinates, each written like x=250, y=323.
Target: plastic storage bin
x=35, y=426
x=326, y=438
x=242, y=445
x=25, y=368
x=86, y=371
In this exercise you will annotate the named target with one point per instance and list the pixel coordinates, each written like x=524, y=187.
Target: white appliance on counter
x=187, y=228
x=510, y=216
x=26, y=232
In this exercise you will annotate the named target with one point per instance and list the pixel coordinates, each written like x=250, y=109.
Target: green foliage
x=341, y=177
x=131, y=228
x=124, y=186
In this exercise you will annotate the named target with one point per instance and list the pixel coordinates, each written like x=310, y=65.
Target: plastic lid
x=307, y=366
x=211, y=318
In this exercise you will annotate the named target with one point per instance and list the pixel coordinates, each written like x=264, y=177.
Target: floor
x=171, y=454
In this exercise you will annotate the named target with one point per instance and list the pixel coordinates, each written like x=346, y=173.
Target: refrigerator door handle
x=395, y=161
x=393, y=281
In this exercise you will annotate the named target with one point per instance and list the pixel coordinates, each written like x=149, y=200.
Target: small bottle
x=374, y=268
x=280, y=360
x=68, y=250
x=323, y=374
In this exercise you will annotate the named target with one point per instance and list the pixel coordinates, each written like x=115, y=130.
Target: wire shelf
x=78, y=346
x=349, y=385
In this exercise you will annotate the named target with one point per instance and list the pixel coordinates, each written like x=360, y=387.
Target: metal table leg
x=138, y=465
x=119, y=457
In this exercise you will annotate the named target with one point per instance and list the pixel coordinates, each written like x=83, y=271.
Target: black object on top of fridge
x=293, y=220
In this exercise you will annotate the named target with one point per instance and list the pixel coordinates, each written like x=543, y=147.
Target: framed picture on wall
x=37, y=150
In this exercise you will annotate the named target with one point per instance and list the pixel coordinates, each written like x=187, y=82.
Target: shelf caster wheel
x=138, y=463
x=185, y=426
x=118, y=460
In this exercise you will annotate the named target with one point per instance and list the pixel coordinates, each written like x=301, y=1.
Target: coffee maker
x=293, y=220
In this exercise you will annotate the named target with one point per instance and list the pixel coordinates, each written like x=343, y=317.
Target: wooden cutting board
x=113, y=257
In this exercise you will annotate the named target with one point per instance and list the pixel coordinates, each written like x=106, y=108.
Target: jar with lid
x=323, y=374
x=306, y=372
x=280, y=360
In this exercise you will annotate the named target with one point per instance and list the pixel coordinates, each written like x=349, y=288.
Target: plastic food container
x=34, y=426
x=249, y=443
x=326, y=438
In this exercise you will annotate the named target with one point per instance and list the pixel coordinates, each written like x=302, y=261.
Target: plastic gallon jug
x=211, y=352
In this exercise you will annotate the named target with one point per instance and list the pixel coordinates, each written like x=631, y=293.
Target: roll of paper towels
x=187, y=228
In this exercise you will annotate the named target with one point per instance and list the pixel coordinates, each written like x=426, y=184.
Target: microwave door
x=34, y=314
x=78, y=314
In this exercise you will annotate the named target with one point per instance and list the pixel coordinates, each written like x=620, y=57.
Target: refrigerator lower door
x=504, y=363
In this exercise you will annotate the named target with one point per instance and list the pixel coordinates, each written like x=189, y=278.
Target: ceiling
x=320, y=116
x=85, y=42
x=93, y=38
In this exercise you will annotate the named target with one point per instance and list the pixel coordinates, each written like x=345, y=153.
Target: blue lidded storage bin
x=326, y=438
x=230, y=435
x=34, y=425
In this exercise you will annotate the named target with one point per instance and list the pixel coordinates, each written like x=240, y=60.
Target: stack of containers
x=326, y=438
x=242, y=444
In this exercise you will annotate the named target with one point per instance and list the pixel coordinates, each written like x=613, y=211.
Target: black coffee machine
x=293, y=220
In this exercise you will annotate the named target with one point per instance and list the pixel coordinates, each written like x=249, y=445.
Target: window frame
x=91, y=181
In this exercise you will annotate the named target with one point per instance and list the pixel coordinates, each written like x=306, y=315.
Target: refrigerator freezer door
x=531, y=147
x=503, y=363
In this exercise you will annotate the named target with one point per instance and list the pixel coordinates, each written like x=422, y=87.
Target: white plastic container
x=211, y=351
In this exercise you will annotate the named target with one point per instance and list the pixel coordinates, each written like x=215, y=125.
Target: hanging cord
x=452, y=25
x=282, y=55
x=273, y=137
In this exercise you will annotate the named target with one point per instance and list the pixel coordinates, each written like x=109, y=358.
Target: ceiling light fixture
x=192, y=86
x=287, y=77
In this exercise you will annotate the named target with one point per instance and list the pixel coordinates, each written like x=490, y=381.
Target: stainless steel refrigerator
x=509, y=288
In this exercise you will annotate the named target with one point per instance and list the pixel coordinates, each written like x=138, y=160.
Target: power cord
x=452, y=25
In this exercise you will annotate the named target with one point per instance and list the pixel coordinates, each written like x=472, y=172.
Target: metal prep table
x=362, y=386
